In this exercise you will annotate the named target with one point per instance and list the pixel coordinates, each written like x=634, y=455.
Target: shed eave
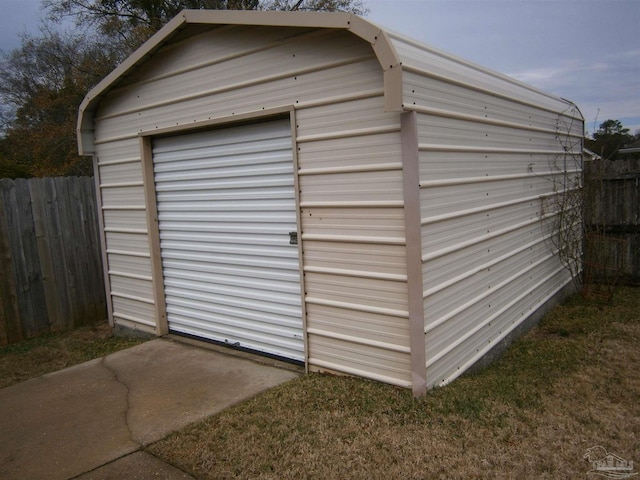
x=370, y=32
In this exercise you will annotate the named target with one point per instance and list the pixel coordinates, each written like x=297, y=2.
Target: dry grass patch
x=32, y=358
x=570, y=384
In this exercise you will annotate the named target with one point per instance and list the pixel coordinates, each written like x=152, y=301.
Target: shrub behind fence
x=50, y=262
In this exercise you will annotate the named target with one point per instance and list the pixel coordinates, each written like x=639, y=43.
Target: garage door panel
x=229, y=194
x=284, y=274
x=235, y=306
x=205, y=234
x=240, y=286
x=274, y=252
x=226, y=204
x=226, y=259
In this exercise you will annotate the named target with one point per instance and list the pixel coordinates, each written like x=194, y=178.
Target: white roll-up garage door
x=226, y=207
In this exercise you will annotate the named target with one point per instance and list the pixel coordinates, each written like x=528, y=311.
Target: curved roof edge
x=370, y=32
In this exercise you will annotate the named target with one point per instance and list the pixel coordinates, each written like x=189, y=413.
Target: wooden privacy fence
x=50, y=261
x=612, y=211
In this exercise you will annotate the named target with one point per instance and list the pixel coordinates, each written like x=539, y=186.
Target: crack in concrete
x=114, y=373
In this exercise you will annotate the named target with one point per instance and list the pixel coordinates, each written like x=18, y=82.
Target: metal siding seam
x=384, y=167
x=492, y=178
x=306, y=104
x=134, y=322
x=341, y=369
x=133, y=297
x=121, y=184
x=123, y=207
x=358, y=274
x=303, y=285
x=413, y=233
x=216, y=122
x=484, y=120
x=103, y=239
x=138, y=231
x=216, y=60
x=135, y=276
x=347, y=134
x=354, y=204
x=442, y=78
x=430, y=147
x=354, y=239
x=119, y=161
x=236, y=86
x=128, y=254
x=360, y=341
x=162, y=325
x=358, y=307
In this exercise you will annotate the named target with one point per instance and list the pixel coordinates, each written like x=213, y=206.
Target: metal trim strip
x=442, y=78
x=347, y=134
x=382, y=167
x=492, y=178
x=358, y=308
x=128, y=253
x=428, y=147
x=122, y=184
x=413, y=234
x=357, y=273
x=133, y=297
x=134, y=276
x=354, y=239
x=136, y=231
x=359, y=340
x=485, y=120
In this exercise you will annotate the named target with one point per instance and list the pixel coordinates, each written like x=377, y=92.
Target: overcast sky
x=587, y=51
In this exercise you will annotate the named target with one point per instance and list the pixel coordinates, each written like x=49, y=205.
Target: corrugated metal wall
x=488, y=154
x=350, y=180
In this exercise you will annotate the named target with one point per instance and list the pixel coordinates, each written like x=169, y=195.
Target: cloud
x=610, y=85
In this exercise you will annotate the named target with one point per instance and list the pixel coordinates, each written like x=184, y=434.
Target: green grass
x=569, y=384
x=31, y=358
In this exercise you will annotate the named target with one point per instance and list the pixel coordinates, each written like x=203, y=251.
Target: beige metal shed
x=314, y=187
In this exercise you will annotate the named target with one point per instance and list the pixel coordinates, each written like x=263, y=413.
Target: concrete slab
x=137, y=466
x=71, y=422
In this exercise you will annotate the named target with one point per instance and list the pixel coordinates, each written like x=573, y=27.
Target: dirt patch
x=32, y=358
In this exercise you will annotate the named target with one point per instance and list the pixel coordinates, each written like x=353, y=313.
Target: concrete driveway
x=91, y=421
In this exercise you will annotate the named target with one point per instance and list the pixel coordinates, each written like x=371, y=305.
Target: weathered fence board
x=613, y=208
x=50, y=257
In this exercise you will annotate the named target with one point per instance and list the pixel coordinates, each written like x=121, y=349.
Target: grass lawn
x=32, y=358
x=570, y=384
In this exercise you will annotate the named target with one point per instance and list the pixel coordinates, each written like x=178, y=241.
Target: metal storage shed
x=411, y=181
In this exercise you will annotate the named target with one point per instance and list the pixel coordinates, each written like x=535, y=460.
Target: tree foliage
x=41, y=85
x=43, y=82
x=131, y=22
x=609, y=138
x=353, y=6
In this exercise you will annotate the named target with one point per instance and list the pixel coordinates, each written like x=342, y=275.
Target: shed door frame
x=146, y=139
